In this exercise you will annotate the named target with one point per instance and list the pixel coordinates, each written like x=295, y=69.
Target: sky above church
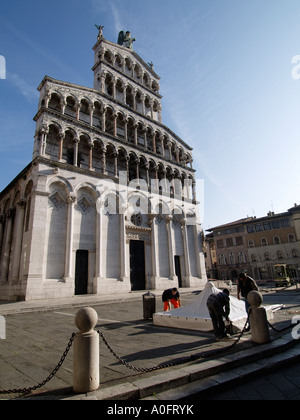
x=230, y=80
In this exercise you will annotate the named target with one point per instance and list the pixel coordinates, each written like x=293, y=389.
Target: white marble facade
x=108, y=203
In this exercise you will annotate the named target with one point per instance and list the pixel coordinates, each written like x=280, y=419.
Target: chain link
x=188, y=359
x=192, y=358
x=55, y=370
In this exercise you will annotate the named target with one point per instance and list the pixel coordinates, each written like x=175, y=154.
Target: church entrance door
x=137, y=265
x=178, y=269
x=81, y=272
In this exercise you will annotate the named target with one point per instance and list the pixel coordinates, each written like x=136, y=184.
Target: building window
x=291, y=238
x=279, y=255
x=251, y=229
x=253, y=258
x=231, y=259
x=259, y=227
x=222, y=260
x=285, y=223
x=276, y=240
x=229, y=242
x=267, y=226
x=220, y=243
x=242, y=257
x=295, y=253
x=264, y=242
x=239, y=240
x=251, y=244
x=267, y=256
x=276, y=224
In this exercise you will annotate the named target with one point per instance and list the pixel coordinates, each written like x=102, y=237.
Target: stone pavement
x=38, y=332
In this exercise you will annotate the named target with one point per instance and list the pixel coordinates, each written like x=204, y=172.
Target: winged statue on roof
x=100, y=29
x=125, y=39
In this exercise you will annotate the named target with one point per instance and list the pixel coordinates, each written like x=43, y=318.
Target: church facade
x=108, y=202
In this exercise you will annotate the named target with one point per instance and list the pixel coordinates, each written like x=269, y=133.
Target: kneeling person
x=218, y=306
x=171, y=296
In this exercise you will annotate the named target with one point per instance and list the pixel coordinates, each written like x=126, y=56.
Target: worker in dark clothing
x=171, y=296
x=245, y=285
x=218, y=306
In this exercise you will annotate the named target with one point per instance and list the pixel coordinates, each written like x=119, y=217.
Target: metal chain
x=55, y=370
x=191, y=358
x=277, y=330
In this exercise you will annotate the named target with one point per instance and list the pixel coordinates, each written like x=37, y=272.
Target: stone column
x=125, y=130
x=2, y=224
x=162, y=146
x=170, y=248
x=134, y=99
x=91, y=145
x=154, y=142
x=115, y=124
x=19, y=239
x=44, y=132
x=60, y=149
x=76, y=142
x=124, y=257
x=69, y=242
x=92, y=110
x=5, y=257
x=114, y=82
x=115, y=156
x=154, y=256
x=103, y=160
x=104, y=120
x=99, y=248
x=135, y=134
x=186, y=253
x=143, y=97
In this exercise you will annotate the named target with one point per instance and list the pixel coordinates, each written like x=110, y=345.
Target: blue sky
x=226, y=79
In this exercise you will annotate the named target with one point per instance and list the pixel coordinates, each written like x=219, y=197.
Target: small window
x=276, y=240
x=291, y=238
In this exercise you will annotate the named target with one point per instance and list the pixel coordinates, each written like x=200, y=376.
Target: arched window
x=276, y=240
x=242, y=257
x=222, y=259
x=231, y=259
x=291, y=238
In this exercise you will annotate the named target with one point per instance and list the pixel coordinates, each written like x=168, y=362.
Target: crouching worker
x=218, y=306
x=171, y=296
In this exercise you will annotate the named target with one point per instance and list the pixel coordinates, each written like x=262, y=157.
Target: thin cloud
x=26, y=90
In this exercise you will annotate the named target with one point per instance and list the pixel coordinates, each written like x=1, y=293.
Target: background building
x=256, y=245
x=108, y=203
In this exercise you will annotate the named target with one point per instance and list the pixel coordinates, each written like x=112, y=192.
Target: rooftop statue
x=100, y=29
x=125, y=39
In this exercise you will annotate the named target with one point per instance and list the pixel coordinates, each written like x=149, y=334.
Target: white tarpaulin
x=195, y=316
